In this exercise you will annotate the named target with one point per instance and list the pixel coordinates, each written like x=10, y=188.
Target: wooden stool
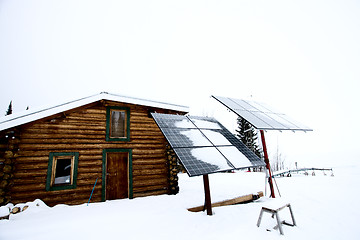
x=275, y=211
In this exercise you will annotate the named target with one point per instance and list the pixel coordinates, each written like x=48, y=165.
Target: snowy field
x=324, y=207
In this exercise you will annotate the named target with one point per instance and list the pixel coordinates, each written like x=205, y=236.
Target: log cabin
x=57, y=154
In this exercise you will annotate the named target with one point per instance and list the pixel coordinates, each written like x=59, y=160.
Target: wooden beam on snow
x=237, y=200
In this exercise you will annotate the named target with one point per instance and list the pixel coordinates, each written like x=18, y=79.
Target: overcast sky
x=302, y=57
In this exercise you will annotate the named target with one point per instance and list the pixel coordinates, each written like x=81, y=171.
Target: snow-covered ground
x=324, y=207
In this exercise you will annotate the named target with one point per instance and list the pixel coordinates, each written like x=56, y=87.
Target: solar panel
x=260, y=115
x=186, y=137
x=205, y=122
x=203, y=145
x=200, y=161
x=174, y=121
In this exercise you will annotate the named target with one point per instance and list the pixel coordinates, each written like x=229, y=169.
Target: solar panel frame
x=260, y=115
x=191, y=153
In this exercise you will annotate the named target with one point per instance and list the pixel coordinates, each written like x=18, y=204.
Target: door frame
x=104, y=165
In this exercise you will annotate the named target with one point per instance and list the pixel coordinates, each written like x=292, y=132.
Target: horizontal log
x=150, y=171
x=89, y=163
x=29, y=180
x=90, y=123
x=27, y=166
x=151, y=151
x=87, y=117
x=87, y=176
x=144, y=120
x=42, y=153
x=40, y=130
x=88, y=170
x=50, y=141
x=147, y=161
x=151, y=193
x=71, y=146
x=18, y=190
x=138, y=114
x=88, y=141
x=150, y=165
x=91, y=157
x=33, y=173
x=29, y=187
x=90, y=111
x=140, y=128
x=144, y=125
x=149, y=188
x=151, y=182
x=148, y=177
x=52, y=198
x=57, y=126
x=61, y=139
x=90, y=181
x=147, y=155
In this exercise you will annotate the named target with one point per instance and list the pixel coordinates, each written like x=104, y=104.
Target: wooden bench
x=275, y=211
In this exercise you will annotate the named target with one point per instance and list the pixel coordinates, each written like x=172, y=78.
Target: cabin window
x=62, y=171
x=117, y=124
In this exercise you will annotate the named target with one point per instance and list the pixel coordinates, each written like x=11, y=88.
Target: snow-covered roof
x=27, y=116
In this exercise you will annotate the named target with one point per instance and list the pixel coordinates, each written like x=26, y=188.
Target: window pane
x=117, y=128
x=63, y=171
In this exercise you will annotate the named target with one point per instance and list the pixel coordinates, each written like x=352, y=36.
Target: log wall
x=83, y=130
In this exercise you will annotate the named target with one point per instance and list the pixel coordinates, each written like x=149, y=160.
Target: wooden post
x=267, y=162
x=207, y=194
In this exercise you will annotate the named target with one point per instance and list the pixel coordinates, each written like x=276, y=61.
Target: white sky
x=302, y=57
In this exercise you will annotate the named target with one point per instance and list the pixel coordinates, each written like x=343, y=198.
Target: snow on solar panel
x=203, y=145
x=260, y=115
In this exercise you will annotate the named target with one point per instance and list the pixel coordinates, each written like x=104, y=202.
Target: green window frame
x=124, y=126
x=59, y=164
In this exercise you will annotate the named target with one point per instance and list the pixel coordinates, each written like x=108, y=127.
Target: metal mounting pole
x=267, y=162
x=207, y=194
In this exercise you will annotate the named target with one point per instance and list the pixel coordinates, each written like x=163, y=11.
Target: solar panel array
x=203, y=145
x=260, y=115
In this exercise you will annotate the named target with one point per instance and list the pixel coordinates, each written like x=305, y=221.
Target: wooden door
x=117, y=179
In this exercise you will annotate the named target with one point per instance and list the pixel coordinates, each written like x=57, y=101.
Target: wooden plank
x=237, y=200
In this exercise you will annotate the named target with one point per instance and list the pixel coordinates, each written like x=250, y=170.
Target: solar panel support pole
x=207, y=194
x=267, y=162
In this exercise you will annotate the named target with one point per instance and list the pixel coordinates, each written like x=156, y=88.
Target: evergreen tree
x=247, y=135
x=9, y=111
